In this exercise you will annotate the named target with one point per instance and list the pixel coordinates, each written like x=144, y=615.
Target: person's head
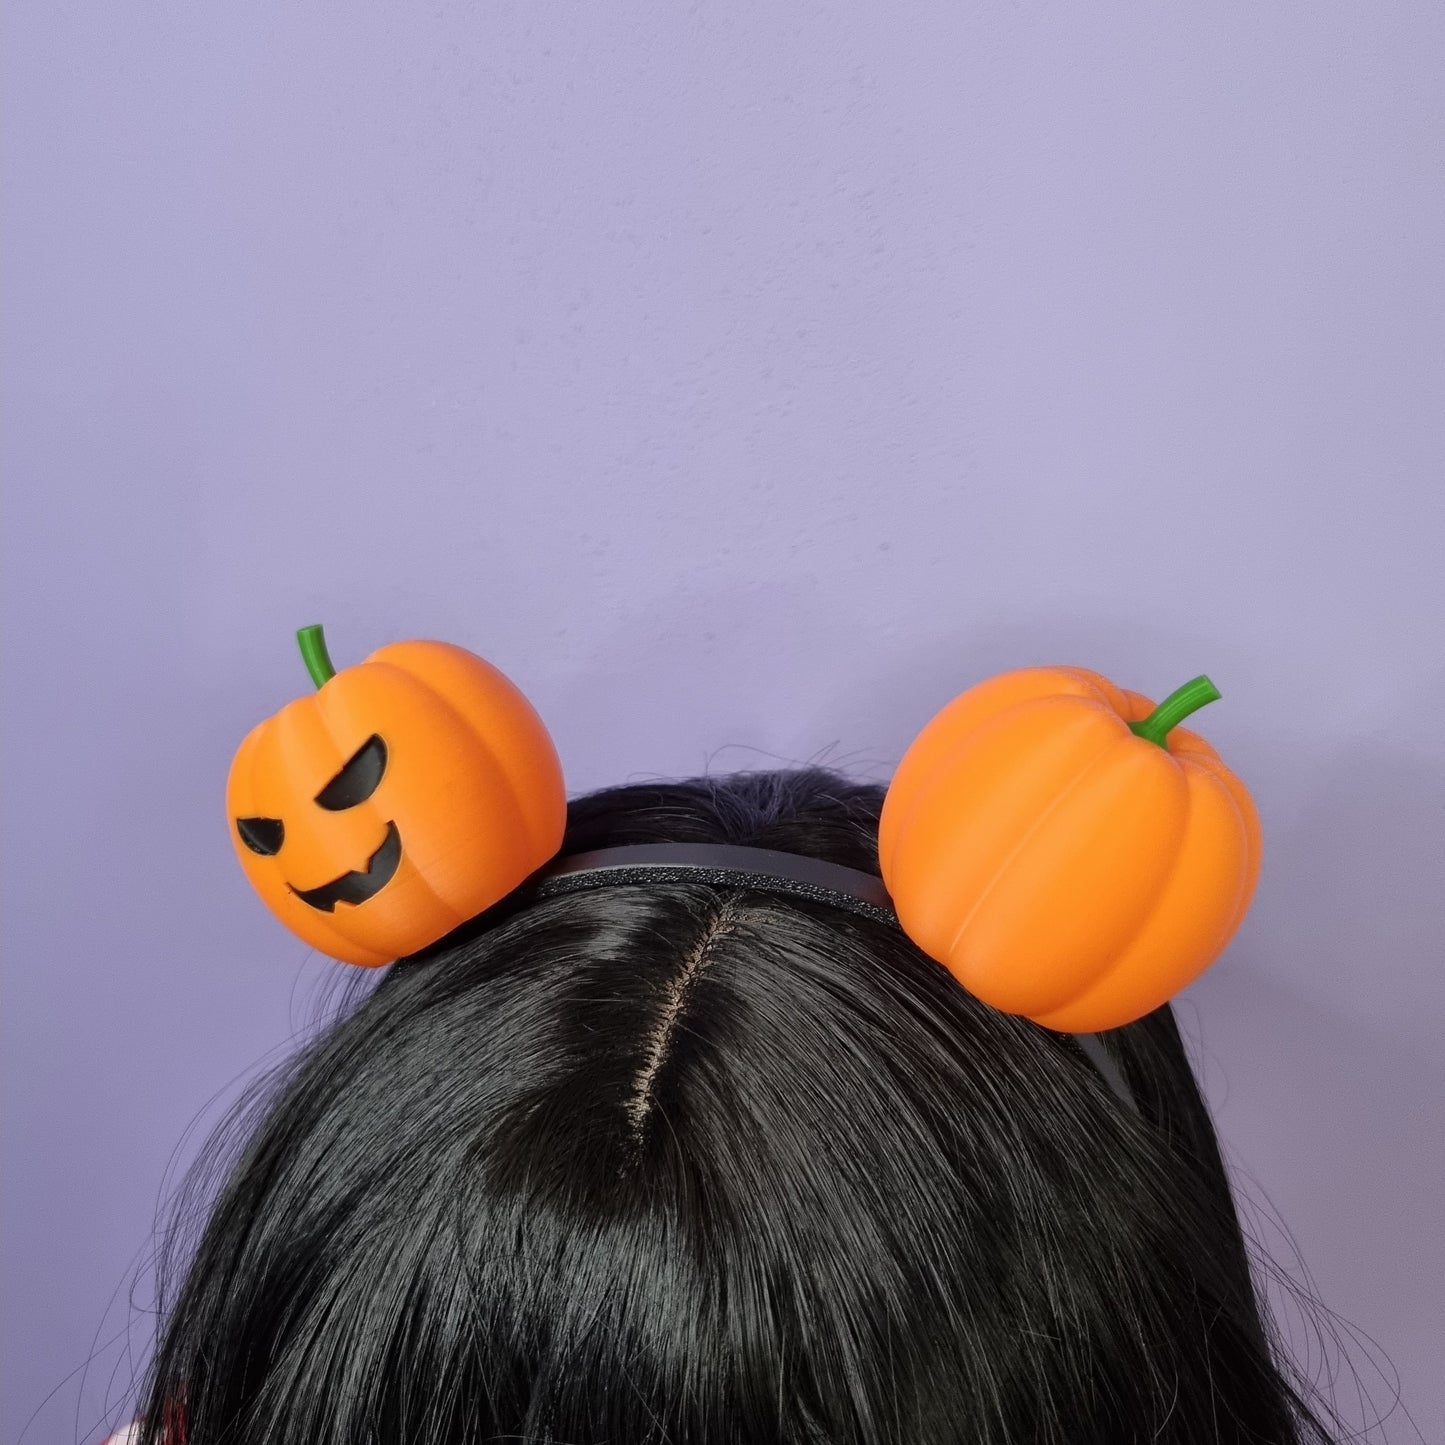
x=674, y=1162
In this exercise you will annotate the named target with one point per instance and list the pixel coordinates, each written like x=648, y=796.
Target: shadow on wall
x=1355, y=891
x=1330, y=1127
x=1331, y=1014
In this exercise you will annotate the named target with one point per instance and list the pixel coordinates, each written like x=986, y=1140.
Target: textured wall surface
x=744, y=379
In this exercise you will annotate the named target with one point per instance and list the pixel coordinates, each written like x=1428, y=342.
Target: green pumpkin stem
x=314, y=654
x=1175, y=708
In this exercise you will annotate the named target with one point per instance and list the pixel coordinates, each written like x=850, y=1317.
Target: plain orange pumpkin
x=469, y=800
x=1060, y=866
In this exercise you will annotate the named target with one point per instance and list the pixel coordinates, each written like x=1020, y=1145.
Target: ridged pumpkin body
x=471, y=782
x=1060, y=866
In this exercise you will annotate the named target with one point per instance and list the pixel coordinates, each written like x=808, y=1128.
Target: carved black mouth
x=357, y=886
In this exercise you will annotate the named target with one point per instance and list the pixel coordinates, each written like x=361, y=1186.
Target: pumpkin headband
x=1062, y=846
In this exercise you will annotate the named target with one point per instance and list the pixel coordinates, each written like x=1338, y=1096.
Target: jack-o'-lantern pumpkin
x=401, y=798
x=1066, y=849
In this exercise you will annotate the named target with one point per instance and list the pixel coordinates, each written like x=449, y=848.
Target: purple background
x=744, y=379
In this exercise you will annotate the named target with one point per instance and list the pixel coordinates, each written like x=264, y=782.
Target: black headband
x=788, y=875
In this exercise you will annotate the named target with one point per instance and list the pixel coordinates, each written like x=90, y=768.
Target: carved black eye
x=357, y=781
x=261, y=835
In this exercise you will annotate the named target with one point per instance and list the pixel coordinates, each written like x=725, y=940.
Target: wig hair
x=696, y=1164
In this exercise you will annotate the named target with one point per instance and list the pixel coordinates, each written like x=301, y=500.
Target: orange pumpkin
x=1066, y=850
x=401, y=798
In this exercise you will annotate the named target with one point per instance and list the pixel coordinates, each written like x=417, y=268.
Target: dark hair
x=689, y=1164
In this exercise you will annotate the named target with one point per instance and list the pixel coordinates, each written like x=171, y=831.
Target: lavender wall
x=745, y=379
